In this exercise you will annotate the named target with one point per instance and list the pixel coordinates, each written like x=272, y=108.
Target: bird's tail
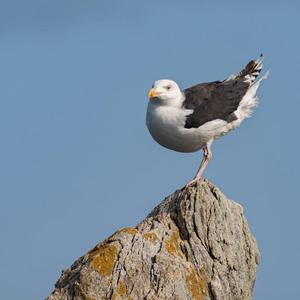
x=252, y=69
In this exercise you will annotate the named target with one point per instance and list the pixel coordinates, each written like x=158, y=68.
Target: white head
x=166, y=92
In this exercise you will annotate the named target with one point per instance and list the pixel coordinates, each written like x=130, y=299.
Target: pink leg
x=207, y=155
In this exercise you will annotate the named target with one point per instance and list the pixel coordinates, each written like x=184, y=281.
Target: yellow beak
x=152, y=94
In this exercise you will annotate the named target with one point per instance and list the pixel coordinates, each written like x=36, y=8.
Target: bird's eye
x=168, y=87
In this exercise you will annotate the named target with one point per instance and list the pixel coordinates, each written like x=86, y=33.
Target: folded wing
x=219, y=99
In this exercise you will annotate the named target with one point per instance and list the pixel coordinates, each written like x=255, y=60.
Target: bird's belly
x=176, y=141
x=168, y=130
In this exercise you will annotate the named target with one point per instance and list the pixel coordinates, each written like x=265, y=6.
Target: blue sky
x=76, y=159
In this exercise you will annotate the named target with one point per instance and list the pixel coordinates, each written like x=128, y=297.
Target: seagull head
x=165, y=92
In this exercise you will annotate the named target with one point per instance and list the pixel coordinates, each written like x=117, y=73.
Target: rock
x=195, y=245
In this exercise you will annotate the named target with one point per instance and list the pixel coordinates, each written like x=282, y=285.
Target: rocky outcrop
x=195, y=245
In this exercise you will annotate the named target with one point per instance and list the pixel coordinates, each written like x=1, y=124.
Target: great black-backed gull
x=190, y=120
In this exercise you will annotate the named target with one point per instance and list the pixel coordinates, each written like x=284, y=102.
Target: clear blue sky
x=77, y=161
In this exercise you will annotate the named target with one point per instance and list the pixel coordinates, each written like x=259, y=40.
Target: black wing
x=219, y=99
x=215, y=100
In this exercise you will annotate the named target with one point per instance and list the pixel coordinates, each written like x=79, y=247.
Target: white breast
x=166, y=126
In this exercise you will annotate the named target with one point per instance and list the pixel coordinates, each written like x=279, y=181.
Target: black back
x=214, y=100
x=219, y=99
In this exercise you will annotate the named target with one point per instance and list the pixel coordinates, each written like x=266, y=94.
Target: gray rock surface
x=195, y=245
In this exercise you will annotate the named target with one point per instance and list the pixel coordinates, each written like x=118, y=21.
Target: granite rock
x=195, y=245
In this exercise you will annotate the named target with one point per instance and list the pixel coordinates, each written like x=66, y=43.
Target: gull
x=191, y=119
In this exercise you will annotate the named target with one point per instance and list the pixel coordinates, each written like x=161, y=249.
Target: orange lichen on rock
x=197, y=285
x=121, y=291
x=104, y=259
x=150, y=236
x=129, y=230
x=173, y=244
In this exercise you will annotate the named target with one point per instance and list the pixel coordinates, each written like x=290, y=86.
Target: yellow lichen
x=104, y=259
x=150, y=236
x=173, y=244
x=90, y=298
x=197, y=285
x=129, y=230
x=93, y=252
x=120, y=293
x=122, y=289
